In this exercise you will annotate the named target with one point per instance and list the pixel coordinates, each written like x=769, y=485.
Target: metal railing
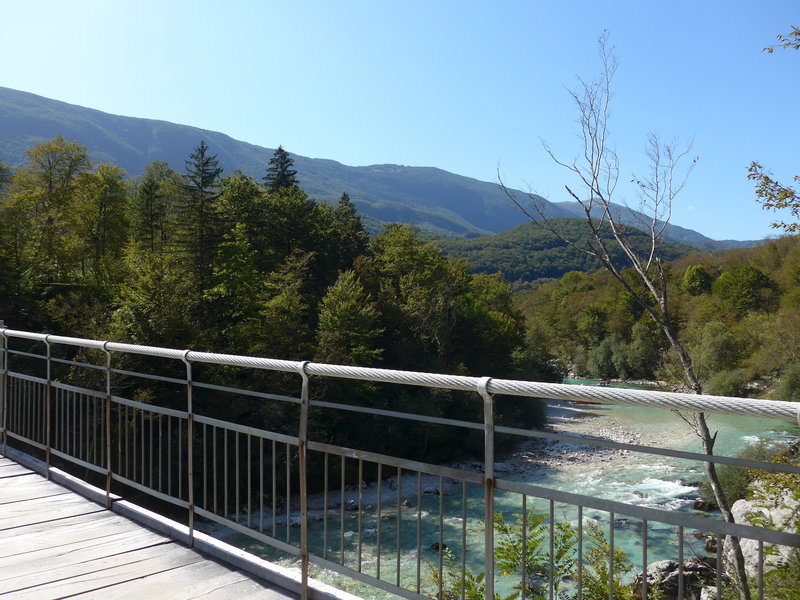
x=76, y=401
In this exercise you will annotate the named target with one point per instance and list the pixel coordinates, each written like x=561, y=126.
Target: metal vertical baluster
x=189, y=444
x=463, y=538
x=550, y=565
x=680, y=561
x=488, y=449
x=644, y=559
x=760, y=570
x=249, y=482
x=288, y=493
x=225, y=472
x=87, y=401
x=325, y=506
x=4, y=389
x=399, y=521
x=360, y=510
x=341, y=511
x=107, y=424
x=580, y=552
x=523, y=588
x=236, y=474
x=274, y=489
x=719, y=566
x=611, y=556
x=205, y=466
x=214, y=452
x=153, y=417
x=441, y=534
x=419, y=531
x=96, y=435
x=261, y=484
x=169, y=455
x=143, y=450
x=302, y=441
x=47, y=406
x=378, y=523
x=178, y=452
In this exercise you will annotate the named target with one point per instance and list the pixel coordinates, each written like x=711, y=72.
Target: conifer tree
x=280, y=174
x=198, y=226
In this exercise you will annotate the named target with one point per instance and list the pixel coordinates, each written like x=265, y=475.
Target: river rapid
x=621, y=475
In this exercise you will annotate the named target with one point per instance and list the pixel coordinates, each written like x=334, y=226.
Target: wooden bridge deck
x=56, y=544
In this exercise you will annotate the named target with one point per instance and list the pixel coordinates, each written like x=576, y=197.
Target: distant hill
x=528, y=252
x=435, y=200
x=673, y=233
x=438, y=202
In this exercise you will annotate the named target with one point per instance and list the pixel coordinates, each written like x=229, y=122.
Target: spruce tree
x=198, y=227
x=280, y=174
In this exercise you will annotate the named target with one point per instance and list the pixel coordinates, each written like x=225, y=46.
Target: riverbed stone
x=663, y=576
x=779, y=511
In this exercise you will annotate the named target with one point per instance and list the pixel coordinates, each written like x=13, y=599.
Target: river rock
x=663, y=576
x=780, y=510
x=704, y=505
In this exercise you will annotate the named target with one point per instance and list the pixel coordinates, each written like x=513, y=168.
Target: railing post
x=47, y=409
x=107, y=425
x=488, y=468
x=4, y=387
x=302, y=439
x=190, y=445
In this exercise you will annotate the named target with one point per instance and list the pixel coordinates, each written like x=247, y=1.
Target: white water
x=633, y=478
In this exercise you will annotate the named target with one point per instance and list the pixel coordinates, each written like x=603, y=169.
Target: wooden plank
x=248, y=589
x=43, y=545
x=208, y=580
x=28, y=487
x=100, y=518
x=13, y=470
x=101, y=573
x=62, y=556
x=41, y=510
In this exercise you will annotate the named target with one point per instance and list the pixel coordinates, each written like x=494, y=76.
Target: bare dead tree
x=597, y=170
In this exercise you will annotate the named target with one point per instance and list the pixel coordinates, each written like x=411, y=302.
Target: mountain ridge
x=438, y=202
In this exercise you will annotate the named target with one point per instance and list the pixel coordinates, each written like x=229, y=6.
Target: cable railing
x=403, y=526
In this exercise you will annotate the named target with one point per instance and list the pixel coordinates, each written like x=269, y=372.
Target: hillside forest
x=221, y=261
x=224, y=262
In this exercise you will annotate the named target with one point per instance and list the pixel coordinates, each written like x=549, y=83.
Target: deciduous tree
x=597, y=172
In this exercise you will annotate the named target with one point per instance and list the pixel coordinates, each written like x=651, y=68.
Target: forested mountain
x=433, y=199
x=529, y=252
x=737, y=312
x=437, y=202
x=673, y=233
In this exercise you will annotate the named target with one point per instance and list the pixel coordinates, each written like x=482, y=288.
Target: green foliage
x=696, y=280
x=596, y=572
x=536, y=560
x=473, y=588
x=347, y=333
x=153, y=205
x=735, y=480
x=157, y=302
x=280, y=174
x=529, y=252
x=744, y=286
x=735, y=383
x=199, y=225
x=788, y=387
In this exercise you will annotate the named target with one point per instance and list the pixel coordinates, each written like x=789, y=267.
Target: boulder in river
x=663, y=576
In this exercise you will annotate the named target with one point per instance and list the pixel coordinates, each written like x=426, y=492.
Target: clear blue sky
x=461, y=85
